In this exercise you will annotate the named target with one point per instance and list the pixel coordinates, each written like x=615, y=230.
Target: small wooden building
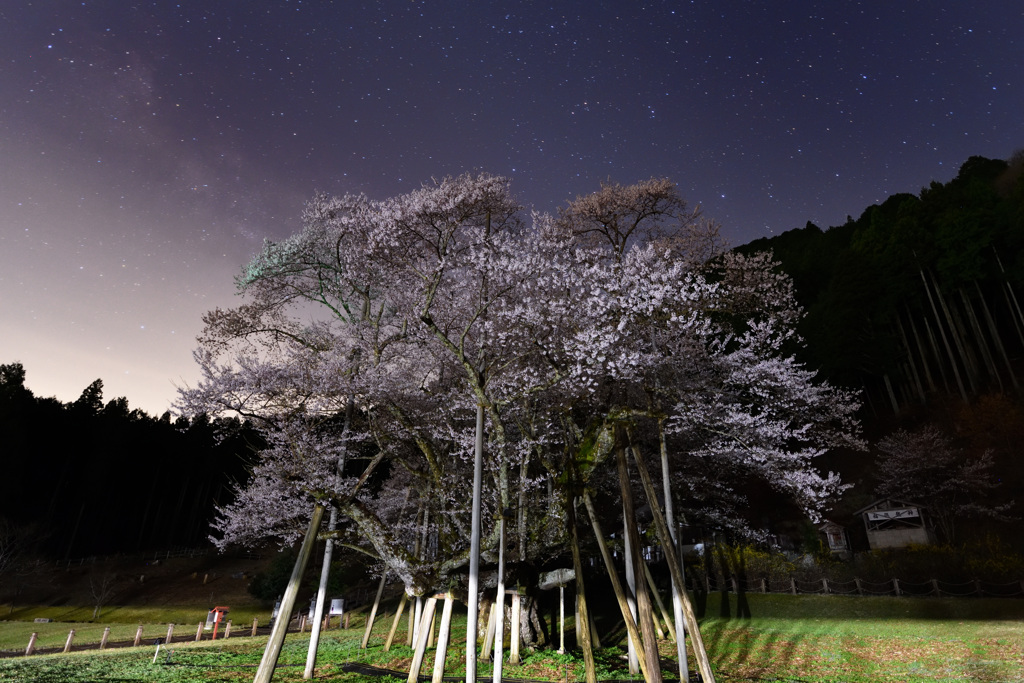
x=835, y=536
x=894, y=523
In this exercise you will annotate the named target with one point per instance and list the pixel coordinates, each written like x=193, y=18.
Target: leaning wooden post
x=421, y=639
x=255, y=623
x=67, y=644
x=227, y=630
x=700, y=653
x=430, y=633
x=485, y=651
x=170, y=633
x=394, y=624
x=104, y=638
x=620, y=594
x=138, y=636
x=678, y=617
x=31, y=644
x=517, y=610
x=442, y=640
x=661, y=604
x=277, y=633
x=584, y=625
x=645, y=610
x=373, y=613
x=199, y=632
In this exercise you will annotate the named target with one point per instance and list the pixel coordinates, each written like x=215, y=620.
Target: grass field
x=788, y=638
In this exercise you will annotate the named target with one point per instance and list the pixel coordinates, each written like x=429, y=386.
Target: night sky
x=147, y=149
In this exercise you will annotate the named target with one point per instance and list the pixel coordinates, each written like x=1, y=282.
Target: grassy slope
x=801, y=638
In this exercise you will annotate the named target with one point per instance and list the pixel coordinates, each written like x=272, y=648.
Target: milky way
x=147, y=149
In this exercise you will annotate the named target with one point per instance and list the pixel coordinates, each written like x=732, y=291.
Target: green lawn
x=788, y=638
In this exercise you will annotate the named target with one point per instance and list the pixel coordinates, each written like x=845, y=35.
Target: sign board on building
x=900, y=513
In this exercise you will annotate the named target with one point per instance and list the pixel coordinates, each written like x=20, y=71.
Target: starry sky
x=148, y=148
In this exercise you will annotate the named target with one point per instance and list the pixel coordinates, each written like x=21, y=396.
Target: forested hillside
x=918, y=303
x=90, y=477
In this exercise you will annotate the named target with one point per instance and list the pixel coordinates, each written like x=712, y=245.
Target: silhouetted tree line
x=920, y=296
x=90, y=477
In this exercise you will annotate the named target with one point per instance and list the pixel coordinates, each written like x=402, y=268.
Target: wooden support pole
x=227, y=629
x=485, y=652
x=443, y=638
x=104, y=638
x=645, y=611
x=373, y=613
x=426, y=616
x=661, y=605
x=561, y=620
x=585, y=633
x=67, y=643
x=620, y=594
x=138, y=636
x=273, y=650
x=394, y=624
x=170, y=634
x=255, y=624
x=31, y=644
x=199, y=632
x=414, y=614
x=675, y=568
x=430, y=632
x=517, y=612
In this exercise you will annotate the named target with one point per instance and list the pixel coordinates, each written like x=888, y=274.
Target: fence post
x=896, y=586
x=977, y=587
x=764, y=585
x=860, y=590
x=31, y=644
x=71, y=636
x=935, y=588
x=824, y=584
x=792, y=585
x=103, y=640
x=199, y=632
x=254, y=622
x=138, y=636
x=227, y=630
x=170, y=633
